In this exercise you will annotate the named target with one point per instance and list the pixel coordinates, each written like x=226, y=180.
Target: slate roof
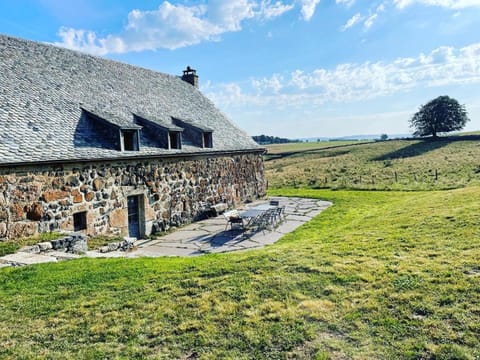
x=43, y=89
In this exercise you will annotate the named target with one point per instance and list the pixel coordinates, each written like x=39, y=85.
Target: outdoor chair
x=233, y=217
x=253, y=225
x=271, y=217
x=260, y=222
x=278, y=212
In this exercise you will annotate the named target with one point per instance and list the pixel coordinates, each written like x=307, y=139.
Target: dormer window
x=165, y=135
x=175, y=140
x=129, y=140
x=207, y=140
x=199, y=135
x=122, y=133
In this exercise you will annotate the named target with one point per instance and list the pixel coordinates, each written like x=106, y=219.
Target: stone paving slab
x=313, y=213
x=111, y=254
x=24, y=258
x=182, y=234
x=268, y=238
x=288, y=226
x=156, y=251
x=298, y=218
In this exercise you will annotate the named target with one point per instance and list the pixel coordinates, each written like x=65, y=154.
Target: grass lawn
x=379, y=275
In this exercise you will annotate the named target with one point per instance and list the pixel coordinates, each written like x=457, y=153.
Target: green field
x=379, y=275
x=388, y=165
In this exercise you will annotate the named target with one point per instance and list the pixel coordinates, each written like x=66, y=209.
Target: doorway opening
x=136, y=216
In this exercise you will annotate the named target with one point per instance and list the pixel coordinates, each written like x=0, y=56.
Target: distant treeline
x=265, y=140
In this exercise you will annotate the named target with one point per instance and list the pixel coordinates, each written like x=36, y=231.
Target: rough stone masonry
x=173, y=191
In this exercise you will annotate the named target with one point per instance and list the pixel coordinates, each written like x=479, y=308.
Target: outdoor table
x=255, y=211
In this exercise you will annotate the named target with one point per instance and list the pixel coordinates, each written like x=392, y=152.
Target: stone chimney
x=190, y=76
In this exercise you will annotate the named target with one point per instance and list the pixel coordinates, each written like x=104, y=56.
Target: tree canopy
x=442, y=114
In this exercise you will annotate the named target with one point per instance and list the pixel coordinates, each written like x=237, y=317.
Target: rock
x=113, y=246
x=79, y=244
x=118, y=218
x=45, y=246
x=3, y=214
x=35, y=212
x=49, y=215
x=58, y=244
x=127, y=244
x=73, y=181
x=17, y=212
x=89, y=196
x=34, y=249
x=3, y=229
x=104, y=249
x=77, y=196
x=23, y=229
x=53, y=195
x=98, y=184
x=58, y=183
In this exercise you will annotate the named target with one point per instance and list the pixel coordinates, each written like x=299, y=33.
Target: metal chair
x=233, y=217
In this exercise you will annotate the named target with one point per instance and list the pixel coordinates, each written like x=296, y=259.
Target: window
x=80, y=221
x=175, y=140
x=130, y=140
x=207, y=140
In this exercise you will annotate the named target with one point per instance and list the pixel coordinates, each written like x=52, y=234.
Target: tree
x=439, y=115
x=383, y=137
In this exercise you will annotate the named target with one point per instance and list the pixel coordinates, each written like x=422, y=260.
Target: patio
x=207, y=236
x=211, y=235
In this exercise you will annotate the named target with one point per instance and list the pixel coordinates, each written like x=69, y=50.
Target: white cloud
x=269, y=10
x=352, y=21
x=452, y=4
x=355, y=82
x=370, y=20
x=228, y=15
x=173, y=26
x=273, y=84
x=347, y=3
x=373, y=17
x=308, y=8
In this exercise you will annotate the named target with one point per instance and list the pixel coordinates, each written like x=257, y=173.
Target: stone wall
x=173, y=192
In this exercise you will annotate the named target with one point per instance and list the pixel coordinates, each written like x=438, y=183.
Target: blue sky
x=290, y=68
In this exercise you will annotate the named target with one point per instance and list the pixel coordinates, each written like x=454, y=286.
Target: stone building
x=89, y=144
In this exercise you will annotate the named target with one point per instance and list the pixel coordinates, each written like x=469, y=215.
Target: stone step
x=23, y=258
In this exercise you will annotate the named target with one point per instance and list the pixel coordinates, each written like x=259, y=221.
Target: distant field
x=379, y=275
x=304, y=146
x=388, y=165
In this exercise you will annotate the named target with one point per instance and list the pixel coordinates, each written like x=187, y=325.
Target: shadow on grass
x=320, y=152
x=424, y=146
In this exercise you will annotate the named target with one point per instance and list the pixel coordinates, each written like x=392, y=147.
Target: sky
x=288, y=68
